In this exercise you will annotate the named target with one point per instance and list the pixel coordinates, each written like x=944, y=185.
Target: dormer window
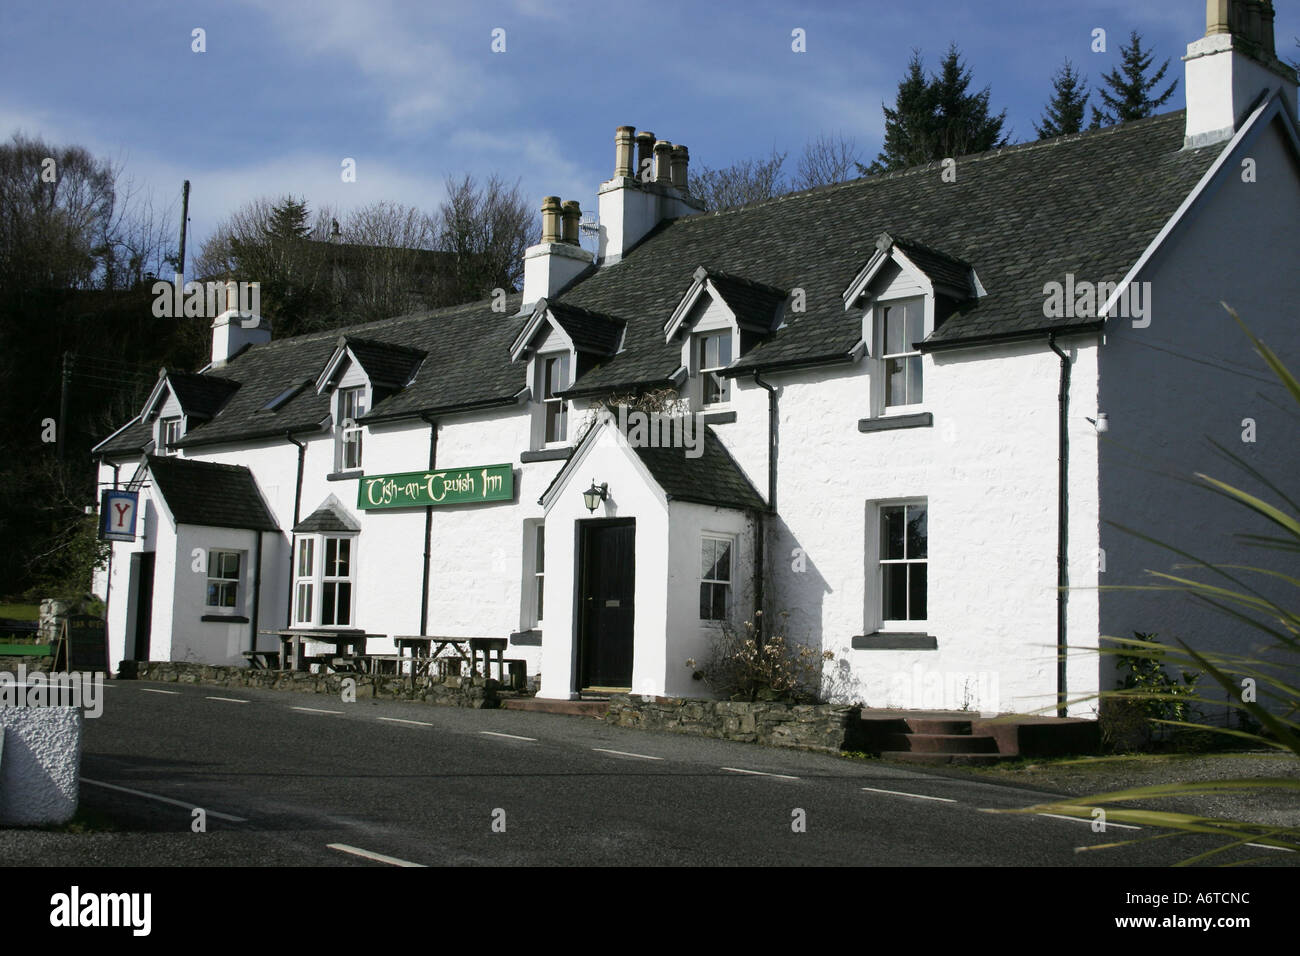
x=351, y=406
x=553, y=372
x=169, y=433
x=900, y=327
x=713, y=354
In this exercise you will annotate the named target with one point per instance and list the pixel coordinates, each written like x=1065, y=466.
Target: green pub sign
x=437, y=486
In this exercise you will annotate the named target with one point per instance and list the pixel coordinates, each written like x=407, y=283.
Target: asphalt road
x=288, y=779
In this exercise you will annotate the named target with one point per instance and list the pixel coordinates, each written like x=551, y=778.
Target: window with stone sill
x=351, y=406
x=899, y=328
x=169, y=433
x=715, y=578
x=903, y=565
x=223, y=580
x=712, y=355
x=325, y=581
x=553, y=377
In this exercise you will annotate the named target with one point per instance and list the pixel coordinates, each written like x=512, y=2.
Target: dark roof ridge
x=592, y=313
x=348, y=331
x=752, y=283
x=376, y=343
x=1009, y=149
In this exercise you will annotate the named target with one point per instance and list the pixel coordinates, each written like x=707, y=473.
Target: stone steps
x=966, y=743
x=940, y=759
x=573, y=708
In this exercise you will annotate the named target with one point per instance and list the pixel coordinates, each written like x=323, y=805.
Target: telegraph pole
x=61, y=439
x=185, y=218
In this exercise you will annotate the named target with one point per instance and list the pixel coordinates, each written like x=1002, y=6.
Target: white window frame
x=222, y=581
x=348, y=434
x=881, y=358
x=876, y=562
x=699, y=342
x=311, y=578
x=534, y=574
x=728, y=584
x=166, y=445
x=545, y=399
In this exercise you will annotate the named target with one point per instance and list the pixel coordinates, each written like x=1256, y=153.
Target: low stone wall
x=31, y=664
x=477, y=692
x=828, y=728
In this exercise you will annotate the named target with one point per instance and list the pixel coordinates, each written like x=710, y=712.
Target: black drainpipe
x=428, y=531
x=1062, y=522
x=760, y=539
x=297, y=507
x=108, y=587
x=257, y=592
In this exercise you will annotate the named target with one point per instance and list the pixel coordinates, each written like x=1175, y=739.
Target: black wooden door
x=608, y=582
x=142, y=573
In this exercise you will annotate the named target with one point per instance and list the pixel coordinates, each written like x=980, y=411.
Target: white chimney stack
x=641, y=195
x=555, y=261
x=239, y=324
x=1230, y=67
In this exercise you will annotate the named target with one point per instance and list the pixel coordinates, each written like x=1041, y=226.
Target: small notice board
x=83, y=644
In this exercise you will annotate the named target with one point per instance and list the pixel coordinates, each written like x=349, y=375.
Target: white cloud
x=412, y=56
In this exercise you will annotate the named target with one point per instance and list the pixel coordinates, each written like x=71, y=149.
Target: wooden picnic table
x=263, y=660
x=431, y=647
x=291, y=640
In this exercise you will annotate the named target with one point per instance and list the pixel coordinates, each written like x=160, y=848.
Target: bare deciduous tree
x=750, y=180
x=485, y=230
x=827, y=159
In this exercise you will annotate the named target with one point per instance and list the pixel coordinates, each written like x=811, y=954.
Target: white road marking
x=493, y=733
x=316, y=710
x=624, y=753
x=229, y=700
x=761, y=773
x=162, y=799
x=371, y=855
x=401, y=720
x=1119, y=826
x=918, y=796
x=154, y=690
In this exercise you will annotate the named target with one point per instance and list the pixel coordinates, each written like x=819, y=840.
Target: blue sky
x=413, y=92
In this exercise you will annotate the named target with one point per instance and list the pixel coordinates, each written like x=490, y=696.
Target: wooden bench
x=263, y=660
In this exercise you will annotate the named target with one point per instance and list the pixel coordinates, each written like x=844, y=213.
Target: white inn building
x=902, y=442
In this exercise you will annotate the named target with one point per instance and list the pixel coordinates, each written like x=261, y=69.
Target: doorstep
x=573, y=708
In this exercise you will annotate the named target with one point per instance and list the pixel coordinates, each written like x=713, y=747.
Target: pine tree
x=1064, y=113
x=288, y=219
x=1131, y=95
x=937, y=118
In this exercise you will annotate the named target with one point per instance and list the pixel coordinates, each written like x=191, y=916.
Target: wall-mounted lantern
x=594, y=495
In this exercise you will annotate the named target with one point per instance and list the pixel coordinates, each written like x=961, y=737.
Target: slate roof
x=1022, y=216
x=214, y=496
x=385, y=363
x=712, y=478
x=470, y=345
x=589, y=331
x=330, y=516
x=753, y=303
x=200, y=395
x=940, y=267
x=1088, y=204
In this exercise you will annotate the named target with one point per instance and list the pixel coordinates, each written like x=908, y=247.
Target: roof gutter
x=1062, y=522
x=839, y=358
x=1095, y=325
x=422, y=414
